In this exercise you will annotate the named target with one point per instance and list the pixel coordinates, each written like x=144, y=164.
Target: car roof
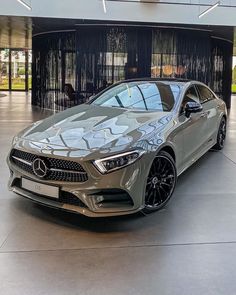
x=175, y=80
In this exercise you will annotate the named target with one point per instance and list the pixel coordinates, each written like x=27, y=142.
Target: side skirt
x=195, y=159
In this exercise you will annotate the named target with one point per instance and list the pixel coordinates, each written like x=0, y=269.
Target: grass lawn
x=17, y=84
x=233, y=88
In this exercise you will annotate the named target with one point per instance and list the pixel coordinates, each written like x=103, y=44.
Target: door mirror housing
x=91, y=98
x=192, y=107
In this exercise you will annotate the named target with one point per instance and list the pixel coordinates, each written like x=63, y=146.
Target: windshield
x=150, y=96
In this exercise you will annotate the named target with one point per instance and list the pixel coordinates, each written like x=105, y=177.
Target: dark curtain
x=108, y=55
x=193, y=55
x=181, y=54
x=221, y=74
x=144, y=40
x=54, y=65
x=94, y=57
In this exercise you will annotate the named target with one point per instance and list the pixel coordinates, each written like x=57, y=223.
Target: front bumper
x=118, y=193
x=69, y=208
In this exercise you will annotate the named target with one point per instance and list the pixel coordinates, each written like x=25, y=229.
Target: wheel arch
x=225, y=117
x=168, y=149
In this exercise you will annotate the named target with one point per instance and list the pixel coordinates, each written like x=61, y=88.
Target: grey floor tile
x=179, y=270
x=10, y=217
x=213, y=173
x=187, y=219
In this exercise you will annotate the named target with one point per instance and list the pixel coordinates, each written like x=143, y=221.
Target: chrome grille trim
x=22, y=161
x=67, y=171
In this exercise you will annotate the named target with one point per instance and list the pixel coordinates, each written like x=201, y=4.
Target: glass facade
x=15, y=69
x=4, y=69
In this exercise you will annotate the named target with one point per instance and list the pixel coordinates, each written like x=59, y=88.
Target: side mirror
x=91, y=97
x=192, y=107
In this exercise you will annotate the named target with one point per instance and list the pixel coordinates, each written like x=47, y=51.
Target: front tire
x=161, y=182
x=221, y=135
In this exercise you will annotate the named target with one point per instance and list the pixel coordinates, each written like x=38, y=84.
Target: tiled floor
x=187, y=248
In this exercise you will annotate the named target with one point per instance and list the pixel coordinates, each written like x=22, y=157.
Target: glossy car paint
x=89, y=132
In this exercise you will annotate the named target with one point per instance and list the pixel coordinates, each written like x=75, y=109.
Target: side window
x=190, y=96
x=205, y=93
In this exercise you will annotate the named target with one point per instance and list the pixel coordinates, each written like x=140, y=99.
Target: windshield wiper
x=117, y=107
x=119, y=101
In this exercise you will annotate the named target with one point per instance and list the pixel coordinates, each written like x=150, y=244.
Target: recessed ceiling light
x=25, y=4
x=104, y=6
x=209, y=9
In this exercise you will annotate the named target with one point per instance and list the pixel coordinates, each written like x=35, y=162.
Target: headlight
x=112, y=163
x=14, y=140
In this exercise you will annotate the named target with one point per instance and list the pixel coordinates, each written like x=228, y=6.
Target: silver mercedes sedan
x=122, y=151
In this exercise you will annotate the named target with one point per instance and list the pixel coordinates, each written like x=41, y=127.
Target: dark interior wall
x=94, y=56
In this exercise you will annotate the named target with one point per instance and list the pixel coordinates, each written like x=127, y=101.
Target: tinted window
x=140, y=95
x=190, y=96
x=205, y=93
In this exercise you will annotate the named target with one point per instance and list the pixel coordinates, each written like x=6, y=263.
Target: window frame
x=199, y=93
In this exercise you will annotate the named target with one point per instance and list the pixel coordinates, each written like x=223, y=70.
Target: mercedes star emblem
x=39, y=167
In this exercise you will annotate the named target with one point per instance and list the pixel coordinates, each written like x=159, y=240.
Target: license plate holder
x=40, y=188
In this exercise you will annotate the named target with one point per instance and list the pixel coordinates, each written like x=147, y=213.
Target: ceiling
x=15, y=32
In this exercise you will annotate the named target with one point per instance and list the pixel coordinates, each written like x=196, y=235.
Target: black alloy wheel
x=221, y=135
x=161, y=182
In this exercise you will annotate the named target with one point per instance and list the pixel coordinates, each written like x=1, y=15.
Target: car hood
x=84, y=129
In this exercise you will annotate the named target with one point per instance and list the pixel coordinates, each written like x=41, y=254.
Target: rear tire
x=161, y=182
x=221, y=135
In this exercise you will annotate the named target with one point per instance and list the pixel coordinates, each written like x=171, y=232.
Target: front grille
x=58, y=169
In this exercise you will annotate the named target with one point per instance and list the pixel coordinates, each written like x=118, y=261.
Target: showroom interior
x=54, y=56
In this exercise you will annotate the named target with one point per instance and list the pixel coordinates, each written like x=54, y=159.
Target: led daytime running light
x=112, y=163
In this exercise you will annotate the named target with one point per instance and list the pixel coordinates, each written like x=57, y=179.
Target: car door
x=193, y=128
x=208, y=101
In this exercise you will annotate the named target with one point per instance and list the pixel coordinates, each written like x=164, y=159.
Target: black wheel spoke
x=155, y=197
x=160, y=183
x=159, y=195
x=158, y=166
x=164, y=190
x=222, y=134
x=149, y=190
x=150, y=195
x=163, y=168
x=166, y=184
x=169, y=177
